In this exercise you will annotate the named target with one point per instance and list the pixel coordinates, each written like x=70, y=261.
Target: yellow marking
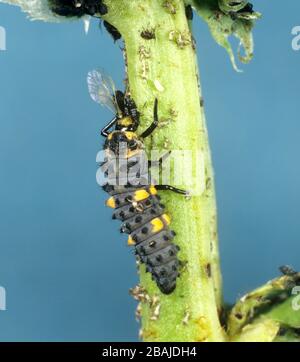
x=152, y=190
x=111, y=203
x=130, y=241
x=130, y=135
x=125, y=122
x=140, y=195
x=157, y=225
x=109, y=137
x=131, y=153
x=167, y=219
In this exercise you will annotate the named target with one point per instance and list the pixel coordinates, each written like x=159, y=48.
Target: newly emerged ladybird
x=136, y=205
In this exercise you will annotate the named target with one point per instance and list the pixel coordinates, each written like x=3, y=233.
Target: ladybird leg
x=113, y=31
x=131, y=110
x=159, y=162
x=104, y=131
x=173, y=189
x=154, y=125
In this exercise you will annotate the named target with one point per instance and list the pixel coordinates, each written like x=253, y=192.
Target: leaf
x=287, y=335
x=261, y=331
x=260, y=303
x=286, y=313
x=225, y=20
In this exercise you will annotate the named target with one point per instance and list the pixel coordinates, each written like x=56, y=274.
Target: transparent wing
x=102, y=89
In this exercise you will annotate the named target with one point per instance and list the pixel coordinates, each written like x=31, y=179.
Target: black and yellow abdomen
x=145, y=220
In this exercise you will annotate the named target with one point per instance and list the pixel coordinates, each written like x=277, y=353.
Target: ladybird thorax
x=123, y=143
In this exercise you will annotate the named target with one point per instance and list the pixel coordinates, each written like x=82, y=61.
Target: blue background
x=65, y=268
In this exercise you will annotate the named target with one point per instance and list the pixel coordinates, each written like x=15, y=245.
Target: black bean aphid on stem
x=78, y=8
x=136, y=205
x=189, y=12
x=113, y=31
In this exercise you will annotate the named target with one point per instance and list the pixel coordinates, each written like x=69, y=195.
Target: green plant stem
x=165, y=68
x=192, y=312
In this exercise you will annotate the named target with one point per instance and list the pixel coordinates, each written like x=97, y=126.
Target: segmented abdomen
x=144, y=219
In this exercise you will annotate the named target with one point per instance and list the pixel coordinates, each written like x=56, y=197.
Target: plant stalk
x=165, y=68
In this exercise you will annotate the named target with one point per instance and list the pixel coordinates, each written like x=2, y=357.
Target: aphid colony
x=80, y=8
x=136, y=204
